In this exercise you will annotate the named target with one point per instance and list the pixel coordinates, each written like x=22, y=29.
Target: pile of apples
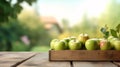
x=83, y=42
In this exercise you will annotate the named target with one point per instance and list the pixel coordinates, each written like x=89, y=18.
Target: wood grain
x=10, y=59
x=117, y=63
x=41, y=60
x=93, y=64
x=84, y=55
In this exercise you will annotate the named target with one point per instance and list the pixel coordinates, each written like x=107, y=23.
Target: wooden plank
x=84, y=55
x=117, y=63
x=10, y=59
x=93, y=64
x=41, y=60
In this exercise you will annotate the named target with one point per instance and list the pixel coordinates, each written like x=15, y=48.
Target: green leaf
x=102, y=30
x=20, y=1
x=113, y=32
x=118, y=28
x=30, y=1
x=105, y=31
x=17, y=8
x=7, y=9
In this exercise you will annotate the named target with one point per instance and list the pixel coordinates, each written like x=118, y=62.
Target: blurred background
x=30, y=25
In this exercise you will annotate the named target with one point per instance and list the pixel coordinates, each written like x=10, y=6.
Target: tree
x=10, y=10
x=11, y=31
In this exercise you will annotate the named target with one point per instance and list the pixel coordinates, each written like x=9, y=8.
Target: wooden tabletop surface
x=35, y=59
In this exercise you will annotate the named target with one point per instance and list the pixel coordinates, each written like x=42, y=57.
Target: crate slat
x=84, y=55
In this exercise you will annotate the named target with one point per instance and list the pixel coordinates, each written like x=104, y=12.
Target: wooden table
x=35, y=59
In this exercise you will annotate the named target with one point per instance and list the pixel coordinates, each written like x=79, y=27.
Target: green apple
x=98, y=40
x=113, y=39
x=92, y=44
x=66, y=39
x=112, y=42
x=110, y=38
x=75, y=45
x=52, y=43
x=60, y=45
x=83, y=37
x=117, y=45
x=105, y=44
x=67, y=42
x=72, y=38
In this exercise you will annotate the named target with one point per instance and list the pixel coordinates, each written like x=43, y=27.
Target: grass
x=34, y=49
x=40, y=49
x=19, y=46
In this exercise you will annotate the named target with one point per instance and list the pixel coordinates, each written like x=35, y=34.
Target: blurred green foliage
x=15, y=24
x=92, y=26
x=85, y=26
x=111, y=15
x=40, y=49
x=10, y=32
x=8, y=9
x=13, y=27
x=35, y=30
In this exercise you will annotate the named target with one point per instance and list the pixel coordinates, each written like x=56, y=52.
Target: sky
x=72, y=10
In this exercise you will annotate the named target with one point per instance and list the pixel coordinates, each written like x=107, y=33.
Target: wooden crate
x=84, y=55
